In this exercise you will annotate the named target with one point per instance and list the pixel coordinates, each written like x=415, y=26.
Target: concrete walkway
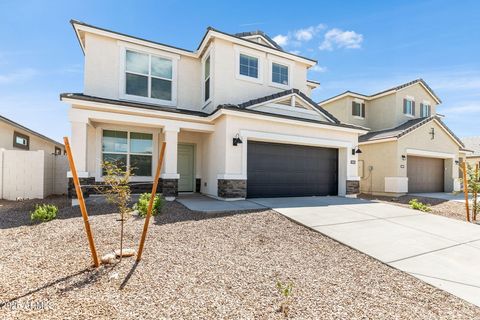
x=440, y=251
x=459, y=197
x=201, y=203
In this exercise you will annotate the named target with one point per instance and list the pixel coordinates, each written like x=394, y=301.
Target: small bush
x=417, y=205
x=142, y=205
x=44, y=213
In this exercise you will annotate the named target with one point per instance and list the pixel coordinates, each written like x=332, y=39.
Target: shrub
x=142, y=205
x=417, y=205
x=44, y=213
x=285, y=291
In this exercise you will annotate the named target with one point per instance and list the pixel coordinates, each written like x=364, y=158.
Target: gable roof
x=384, y=92
x=261, y=34
x=404, y=128
x=297, y=92
x=77, y=25
x=473, y=144
x=19, y=126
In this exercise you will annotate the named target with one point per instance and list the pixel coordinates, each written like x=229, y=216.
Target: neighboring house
x=409, y=148
x=235, y=113
x=473, y=144
x=31, y=164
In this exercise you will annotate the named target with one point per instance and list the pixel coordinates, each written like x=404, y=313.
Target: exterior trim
x=430, y=154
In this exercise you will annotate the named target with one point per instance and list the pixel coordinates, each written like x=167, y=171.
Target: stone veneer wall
x=89, y=184
x=170, y=187
x=229, y=189
x=353, y=187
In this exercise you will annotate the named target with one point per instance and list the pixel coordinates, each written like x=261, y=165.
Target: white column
x=170, y=162
x=79, y=144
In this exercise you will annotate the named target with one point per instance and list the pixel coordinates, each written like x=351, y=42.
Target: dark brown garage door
x=425, y=174
x=284, y=170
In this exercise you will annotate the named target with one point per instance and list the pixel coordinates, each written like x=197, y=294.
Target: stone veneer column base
x=232, y=189
x=170, y=189
x=353, y=187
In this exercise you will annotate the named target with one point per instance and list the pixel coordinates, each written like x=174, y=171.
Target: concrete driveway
x=440, y=251
x=448, y=196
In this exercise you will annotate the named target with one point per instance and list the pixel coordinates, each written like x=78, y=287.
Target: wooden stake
x=475, y=194
x=150, y=203
x=81, y=202
x=465, y=189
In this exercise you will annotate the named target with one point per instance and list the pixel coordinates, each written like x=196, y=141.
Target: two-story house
x=409, y=148
x=235, y=113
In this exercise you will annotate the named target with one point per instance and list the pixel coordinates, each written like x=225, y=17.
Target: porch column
x=170, y=175
x=78, y=145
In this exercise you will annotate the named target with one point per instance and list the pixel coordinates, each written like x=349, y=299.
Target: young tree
x=473, y=187
x=117, y=191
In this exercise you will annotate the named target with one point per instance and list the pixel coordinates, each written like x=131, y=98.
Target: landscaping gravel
x=199, y=266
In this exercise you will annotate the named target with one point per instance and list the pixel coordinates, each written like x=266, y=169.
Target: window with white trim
x=248, y=66
x=409, y=107
x=425, y=110
x=206, y=80
x=358, y=109
x=148, y=75
x=128, y=150
x=279, y=74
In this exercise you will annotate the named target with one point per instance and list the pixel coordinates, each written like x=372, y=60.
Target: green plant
x=417, y=205
x=117, y=191
x=44, y=212
x=142, y=204
x=473, y=188
x=285, y=291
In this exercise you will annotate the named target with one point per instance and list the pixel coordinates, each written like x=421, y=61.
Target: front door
x=186, y=167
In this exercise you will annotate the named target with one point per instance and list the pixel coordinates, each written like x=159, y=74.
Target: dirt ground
x=199, y=266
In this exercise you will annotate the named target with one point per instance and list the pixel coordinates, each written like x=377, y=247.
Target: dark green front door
x=186, y=156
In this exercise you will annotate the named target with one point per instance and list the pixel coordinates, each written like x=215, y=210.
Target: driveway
x=440, y=251
x=459, y=197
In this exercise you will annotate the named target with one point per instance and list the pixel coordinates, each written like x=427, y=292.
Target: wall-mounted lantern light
x=404, y=157
x=457, y=162
x=356, y=150
x=237, y=140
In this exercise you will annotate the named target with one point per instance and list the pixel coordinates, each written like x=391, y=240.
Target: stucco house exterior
x=409, y=148
x=31, y=164
x=235, y=113
x=473, y=144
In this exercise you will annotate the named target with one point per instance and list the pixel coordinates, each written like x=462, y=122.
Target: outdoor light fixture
x=237, y=140
x=404, y=157
x=457, y=162
x=356, y=150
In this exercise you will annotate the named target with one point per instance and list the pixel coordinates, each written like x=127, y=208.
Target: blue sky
x=360, y=46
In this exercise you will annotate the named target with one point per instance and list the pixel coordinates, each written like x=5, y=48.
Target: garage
x=285, y=170
x=425, y=174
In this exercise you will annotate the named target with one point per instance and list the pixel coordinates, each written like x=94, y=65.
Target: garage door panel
x=276, y=170
x=425, y=174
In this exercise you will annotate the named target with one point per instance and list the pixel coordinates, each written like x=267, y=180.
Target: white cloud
x=281, y=40
x=337, y=38
x=308, y=33
x=19, y=75
x=318, y=68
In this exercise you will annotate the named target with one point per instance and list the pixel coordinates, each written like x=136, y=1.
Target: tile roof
x=472, y=143
x=403, y=129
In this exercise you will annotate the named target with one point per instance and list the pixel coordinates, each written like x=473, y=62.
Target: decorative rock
x=125, y=252
x=109, y=258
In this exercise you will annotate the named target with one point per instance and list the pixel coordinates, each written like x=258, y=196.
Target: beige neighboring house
x=473, y=144
x=31, y=164
x=409, y=149
x=235, y=113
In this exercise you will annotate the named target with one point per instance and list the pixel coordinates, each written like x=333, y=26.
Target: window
x=425, y=110
x=21, y=141
x=148, y=76
x=207, y=79
x=248, y=66
x=279, y=74
x=358, y=109
x=58, y=151
x=129, y=149
x=409, y=107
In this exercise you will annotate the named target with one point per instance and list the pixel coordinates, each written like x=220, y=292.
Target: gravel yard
x=199, y=266
x=449, y=209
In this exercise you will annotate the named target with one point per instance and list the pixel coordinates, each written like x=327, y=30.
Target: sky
x=362, y=46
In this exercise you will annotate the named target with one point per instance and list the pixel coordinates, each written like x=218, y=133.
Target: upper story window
x=248, y=66
x=129, y=149
x=408, y=107
x=358, y=109
x=21, y=141
x=148, y=77
x=279, y=74
x=425, y=110
x=206, y=72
